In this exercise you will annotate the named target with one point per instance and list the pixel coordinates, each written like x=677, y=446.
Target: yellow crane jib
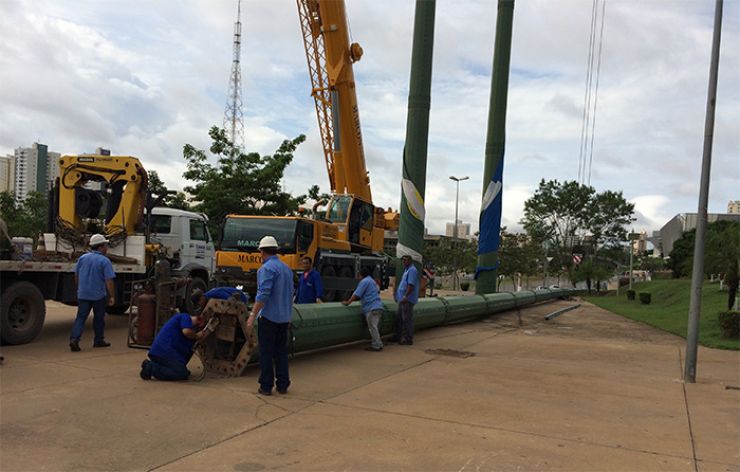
x=91, y=184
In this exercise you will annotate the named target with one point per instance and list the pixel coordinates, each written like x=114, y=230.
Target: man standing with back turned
x=93, y=275
x=274, y=306
x=407, y=294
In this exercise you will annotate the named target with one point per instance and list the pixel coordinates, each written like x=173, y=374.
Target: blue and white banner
x=490, y=216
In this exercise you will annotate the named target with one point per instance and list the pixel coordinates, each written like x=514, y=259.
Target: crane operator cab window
x=338, y=209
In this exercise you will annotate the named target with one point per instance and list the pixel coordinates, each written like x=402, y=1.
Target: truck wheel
x=328, y=271
x=196, y=283
x=23, y=311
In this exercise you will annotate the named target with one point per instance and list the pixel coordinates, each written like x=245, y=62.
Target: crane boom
x=330, y=56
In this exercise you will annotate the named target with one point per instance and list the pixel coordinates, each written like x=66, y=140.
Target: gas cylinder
x=146, y=306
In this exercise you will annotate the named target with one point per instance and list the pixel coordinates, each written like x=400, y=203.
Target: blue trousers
x=83, y=311
x=165, y=369
x=273, y=344
x=405, y=322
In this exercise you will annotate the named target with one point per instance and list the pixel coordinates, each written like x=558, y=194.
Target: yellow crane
x=349, y=234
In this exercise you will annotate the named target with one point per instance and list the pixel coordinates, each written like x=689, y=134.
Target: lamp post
x=457, y=180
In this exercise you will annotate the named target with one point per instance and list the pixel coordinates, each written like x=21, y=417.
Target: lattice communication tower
x=233, y=115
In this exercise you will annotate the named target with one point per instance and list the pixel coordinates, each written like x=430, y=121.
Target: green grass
x=669, y=309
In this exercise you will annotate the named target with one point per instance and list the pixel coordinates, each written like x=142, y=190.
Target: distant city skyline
x=29, y=169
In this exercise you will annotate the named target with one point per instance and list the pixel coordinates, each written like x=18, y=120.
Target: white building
x=35, y=170
x=7, y=173
x=733, y=207
x=463, y=230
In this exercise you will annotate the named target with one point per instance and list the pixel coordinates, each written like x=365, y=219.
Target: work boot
x=102, y=343
x=264, y=392
x=74, y=346
x=146, y=370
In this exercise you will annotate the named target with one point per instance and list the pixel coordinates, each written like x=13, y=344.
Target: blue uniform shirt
x=369, y=295
x=224, y=293
x=309, y=288
x=92, y=270
x=410, y=277
x=275, y=289
x=170, y=343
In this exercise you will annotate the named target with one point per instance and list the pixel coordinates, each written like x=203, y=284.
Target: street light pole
x=455, y=284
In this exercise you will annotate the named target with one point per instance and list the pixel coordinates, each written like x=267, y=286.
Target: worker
x=94, y=279
x=200, y=299
x=407, y=294
x=310, y=288
x=173, y=347
x=367, y=291
x=274, y=306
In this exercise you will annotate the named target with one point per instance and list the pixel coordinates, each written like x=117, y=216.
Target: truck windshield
x=244, y=234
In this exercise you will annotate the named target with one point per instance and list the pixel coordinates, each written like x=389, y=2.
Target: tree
x=721, y=254
x=590, y=270
x=28, y=218
x=445, y=255
x=607, y=217
x=518, y=255
x=158, y=189
x=243, y=183
x=558, y=212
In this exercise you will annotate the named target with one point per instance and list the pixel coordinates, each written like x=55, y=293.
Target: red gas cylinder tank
x=146, y=306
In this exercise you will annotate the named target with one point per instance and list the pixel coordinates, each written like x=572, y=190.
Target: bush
x=630, y=294
x=645, y=298
x=464, y=286
x=729, y=323
x=438, y=284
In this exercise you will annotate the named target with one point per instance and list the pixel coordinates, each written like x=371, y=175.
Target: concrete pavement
x=588, y=390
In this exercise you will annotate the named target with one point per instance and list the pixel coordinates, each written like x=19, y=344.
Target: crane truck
x=349, y=233
x=108, y=195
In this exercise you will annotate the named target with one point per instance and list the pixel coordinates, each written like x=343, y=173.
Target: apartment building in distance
x=463, y=230
x=7, y=173
x=679, y=224
x=34, y=170
x=733, y=207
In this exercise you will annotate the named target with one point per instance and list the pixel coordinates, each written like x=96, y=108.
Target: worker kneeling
x=173, y=347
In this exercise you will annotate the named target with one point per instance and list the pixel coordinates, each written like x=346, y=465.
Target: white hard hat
x=267, y=242
x=97, y=240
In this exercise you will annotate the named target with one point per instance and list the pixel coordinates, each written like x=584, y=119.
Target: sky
x=144, y=78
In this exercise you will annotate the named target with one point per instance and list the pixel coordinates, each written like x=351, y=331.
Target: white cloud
x=146, y=80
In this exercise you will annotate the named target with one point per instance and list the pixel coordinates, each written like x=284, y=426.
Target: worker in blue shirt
x=94, y=278
x=173, y=347
x=407, y=294
x=274, y=306
x=368, y=293
x=199, y=299
x=310, y=288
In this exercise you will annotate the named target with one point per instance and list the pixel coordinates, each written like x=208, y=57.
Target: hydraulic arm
x=88, y=185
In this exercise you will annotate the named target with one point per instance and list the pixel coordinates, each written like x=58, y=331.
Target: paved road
x=586, y=391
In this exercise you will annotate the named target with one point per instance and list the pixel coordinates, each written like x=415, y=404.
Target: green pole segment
x=490, y=219
x=411, y=227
